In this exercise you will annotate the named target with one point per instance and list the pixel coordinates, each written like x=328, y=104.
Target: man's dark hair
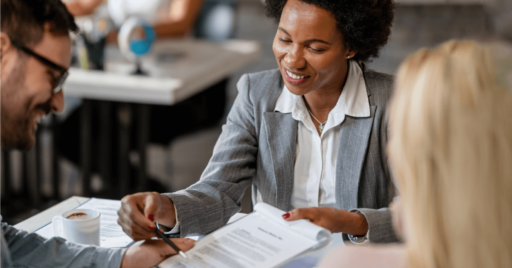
x=24, y=20
x=364, y=24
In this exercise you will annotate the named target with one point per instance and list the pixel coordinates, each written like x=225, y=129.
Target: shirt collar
x=353, y=100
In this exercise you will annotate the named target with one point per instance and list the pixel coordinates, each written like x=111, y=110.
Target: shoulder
x=391, y=256
x=379, y=85
x=261, y=87
x=260, y=79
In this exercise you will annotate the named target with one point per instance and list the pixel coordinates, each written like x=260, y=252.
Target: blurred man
x=35, y=55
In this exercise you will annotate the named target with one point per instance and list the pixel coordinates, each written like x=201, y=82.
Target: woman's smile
x=296, y=78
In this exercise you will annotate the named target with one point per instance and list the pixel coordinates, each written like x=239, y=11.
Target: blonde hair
x=451, y=151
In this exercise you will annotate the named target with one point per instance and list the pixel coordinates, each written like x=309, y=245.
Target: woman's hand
x=335, y=220
x=139, y=212
x=153, y=252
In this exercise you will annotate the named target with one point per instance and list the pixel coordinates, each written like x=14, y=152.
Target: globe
x=135, y=38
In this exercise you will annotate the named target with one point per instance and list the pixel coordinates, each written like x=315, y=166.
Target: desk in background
x=177, y=70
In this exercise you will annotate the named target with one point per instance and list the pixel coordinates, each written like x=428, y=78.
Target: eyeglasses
x=62, y=70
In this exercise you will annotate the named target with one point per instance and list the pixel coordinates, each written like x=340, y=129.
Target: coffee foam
x=79, y=216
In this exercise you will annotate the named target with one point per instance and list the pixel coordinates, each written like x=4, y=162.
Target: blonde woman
x=451, y=151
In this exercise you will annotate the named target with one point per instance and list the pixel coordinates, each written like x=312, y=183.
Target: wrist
x=361, y=225
x=353, y=223
x=166, y=214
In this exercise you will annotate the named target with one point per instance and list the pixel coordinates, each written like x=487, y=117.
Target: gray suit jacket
x=257, y=147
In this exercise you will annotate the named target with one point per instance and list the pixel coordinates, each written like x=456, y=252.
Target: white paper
x=257, y=240
x=111, y=234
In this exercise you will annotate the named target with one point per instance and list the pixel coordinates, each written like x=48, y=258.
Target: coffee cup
x=81, y=226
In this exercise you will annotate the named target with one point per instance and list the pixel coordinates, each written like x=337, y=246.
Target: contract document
x=261, y=239
x=111, y=234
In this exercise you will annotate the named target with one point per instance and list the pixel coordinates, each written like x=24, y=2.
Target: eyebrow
x=307, y=41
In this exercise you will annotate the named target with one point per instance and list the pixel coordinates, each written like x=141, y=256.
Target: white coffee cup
x=83, y=227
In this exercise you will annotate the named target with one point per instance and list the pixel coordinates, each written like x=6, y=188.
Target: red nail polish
x=151, y=217
x=151, y=228
x=286, y=216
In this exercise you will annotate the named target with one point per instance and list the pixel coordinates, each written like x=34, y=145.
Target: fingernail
x=286, y=216
x=188, y=241
x=151, y=228
x=151, y=217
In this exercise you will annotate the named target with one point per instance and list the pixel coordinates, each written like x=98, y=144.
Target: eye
x=285, y=41
x=52, y=78
x=316, y=50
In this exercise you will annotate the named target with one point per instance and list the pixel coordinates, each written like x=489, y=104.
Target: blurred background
x=164, y=145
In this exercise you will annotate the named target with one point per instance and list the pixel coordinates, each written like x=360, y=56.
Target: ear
x=5, y=44
x=7, y=57
x=351, y=54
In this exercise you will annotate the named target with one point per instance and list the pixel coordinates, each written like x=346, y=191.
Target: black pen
x=170, y=243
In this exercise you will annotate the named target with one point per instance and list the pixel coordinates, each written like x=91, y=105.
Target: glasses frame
x=63, y=71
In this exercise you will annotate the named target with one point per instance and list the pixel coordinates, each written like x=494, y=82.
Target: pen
x=170, y=243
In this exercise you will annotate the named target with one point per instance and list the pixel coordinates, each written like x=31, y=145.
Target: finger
x=133, y=210
x=139, y=233
x=134, y=230
x=300, y=213
x=151, y=205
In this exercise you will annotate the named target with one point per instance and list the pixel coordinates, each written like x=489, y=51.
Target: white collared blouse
x=315, y=159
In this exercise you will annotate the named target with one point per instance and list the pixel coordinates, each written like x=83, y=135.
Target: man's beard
x=16, y=127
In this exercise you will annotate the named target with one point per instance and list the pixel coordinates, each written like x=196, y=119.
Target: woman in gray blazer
x=310, y=135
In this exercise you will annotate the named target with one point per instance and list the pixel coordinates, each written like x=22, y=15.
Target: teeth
x=295, y=76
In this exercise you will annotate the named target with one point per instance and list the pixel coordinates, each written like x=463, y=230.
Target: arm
x=182, y=16
x=208, y=204
x=32, y=250
x=380, y=226
x=335, y=220
x=82, y=7
x=362, y=224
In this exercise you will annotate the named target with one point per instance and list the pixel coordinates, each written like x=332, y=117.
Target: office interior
x=36, y=180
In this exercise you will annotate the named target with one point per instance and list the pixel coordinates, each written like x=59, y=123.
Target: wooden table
x=176, y=70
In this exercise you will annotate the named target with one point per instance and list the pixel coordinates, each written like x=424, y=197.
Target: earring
x=348, y=56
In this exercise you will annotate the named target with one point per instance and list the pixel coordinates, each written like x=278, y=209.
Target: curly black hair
x=364, y=24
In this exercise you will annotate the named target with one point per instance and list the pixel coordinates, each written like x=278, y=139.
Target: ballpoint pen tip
x=182, y=254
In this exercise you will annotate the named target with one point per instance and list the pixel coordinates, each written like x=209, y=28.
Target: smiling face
x=27, y=88
x=309, y=49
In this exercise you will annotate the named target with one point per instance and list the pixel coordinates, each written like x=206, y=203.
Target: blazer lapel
x=282, y=139
x=354, y=137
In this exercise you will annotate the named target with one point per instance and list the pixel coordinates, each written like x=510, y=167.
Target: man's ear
x=7, y=58
x=5, y=44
